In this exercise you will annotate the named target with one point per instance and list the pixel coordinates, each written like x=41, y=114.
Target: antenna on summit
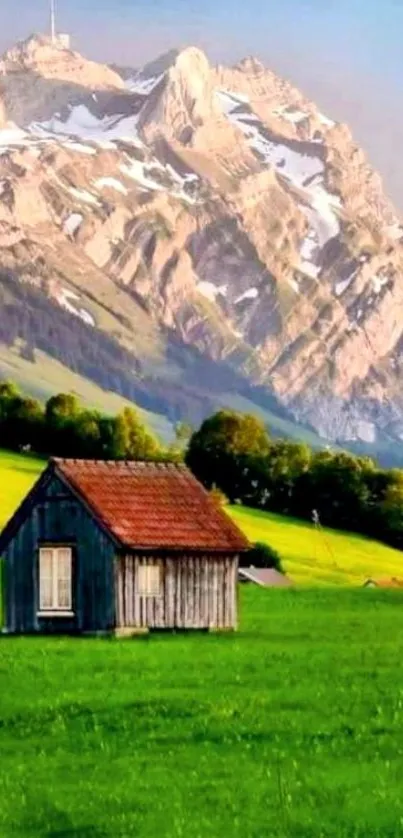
x=52, y=21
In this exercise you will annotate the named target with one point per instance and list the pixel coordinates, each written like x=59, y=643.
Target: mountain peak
x=226, y=206
x=185, y=99
x=50, y=59
x=251, y=65
x=27, y=54
x=190, y=57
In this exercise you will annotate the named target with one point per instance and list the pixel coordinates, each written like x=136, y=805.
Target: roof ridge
x=169, y=465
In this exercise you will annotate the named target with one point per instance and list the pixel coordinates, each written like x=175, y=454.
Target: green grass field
x=327, y=558
x=17, y=475
x=291, y=728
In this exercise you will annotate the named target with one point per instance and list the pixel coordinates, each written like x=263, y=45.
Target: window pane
x=45, y=579
x=154, y=580
x=46, y=592
x=149, y=580
x=63, y=593
x=142, y=580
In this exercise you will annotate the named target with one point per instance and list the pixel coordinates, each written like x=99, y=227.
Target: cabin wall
x=197, y=592
x=58, y=517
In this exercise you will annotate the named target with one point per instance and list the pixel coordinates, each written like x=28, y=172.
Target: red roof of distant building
x=384, y=583
x=152, y=505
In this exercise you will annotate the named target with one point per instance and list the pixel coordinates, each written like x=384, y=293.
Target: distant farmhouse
x=264, y=576
x=120, y=546
x=383, y=583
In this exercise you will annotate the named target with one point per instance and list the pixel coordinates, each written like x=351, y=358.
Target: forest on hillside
x=30, y=317
x=63, y=427
x=231, y=453
x=234, y=454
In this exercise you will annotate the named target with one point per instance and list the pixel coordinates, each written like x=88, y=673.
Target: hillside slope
x=191, y=208
x=333, y=558
x=315, y=558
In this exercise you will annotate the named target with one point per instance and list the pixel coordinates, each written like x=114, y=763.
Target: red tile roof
x=151, y=505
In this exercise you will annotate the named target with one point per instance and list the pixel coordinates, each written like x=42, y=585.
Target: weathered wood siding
x=58, y=517
x=197, y=592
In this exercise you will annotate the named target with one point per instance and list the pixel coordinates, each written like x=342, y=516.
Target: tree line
x=63, y=427
x=230, y=452
x=234, y=453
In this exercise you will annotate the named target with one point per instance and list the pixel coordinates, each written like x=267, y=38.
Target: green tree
x=9, y=395
x=86, y=434
x=391, y=508
x=62, y=407
x=22, y=424
x=183, y=432
x=219, y=453
x=112, y=438
x=136, y=441
x=61, y=415
x=262, y=555
x=337, y=487
x=283, y=468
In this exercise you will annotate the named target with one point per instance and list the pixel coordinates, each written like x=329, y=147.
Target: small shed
x=119, y=546
x=384, y=583
x=266, y=577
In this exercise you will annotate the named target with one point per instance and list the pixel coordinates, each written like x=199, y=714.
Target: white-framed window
x=149, y=580
x=55, y=580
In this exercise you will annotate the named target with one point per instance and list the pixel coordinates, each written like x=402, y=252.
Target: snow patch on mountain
x=138, y=171
x=395, y=231
x=72, y=223
x=211, y=291
x=12, y=136
x=142, y=85
x=290, y=114
x=83, y=124
x=83, y=149
x=83, y=195
x=324, y=120
x=379, y=282
x=297, y=166
x=111, y=183
x=67, y=300
x=250, y=294
x=341, y=286
x=294, y=285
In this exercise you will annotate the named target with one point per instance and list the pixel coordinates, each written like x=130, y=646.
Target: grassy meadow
x=291, y=728
x=17, y=475
x=329, y=557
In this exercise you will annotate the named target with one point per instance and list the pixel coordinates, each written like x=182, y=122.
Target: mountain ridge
x=227, y=207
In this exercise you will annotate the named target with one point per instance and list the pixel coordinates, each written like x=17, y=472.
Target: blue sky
x=347, y=54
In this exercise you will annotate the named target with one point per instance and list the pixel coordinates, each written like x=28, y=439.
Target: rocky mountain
x=190, y=211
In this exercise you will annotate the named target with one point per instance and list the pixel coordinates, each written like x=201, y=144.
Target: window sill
x=149, y=596
x=55, y=614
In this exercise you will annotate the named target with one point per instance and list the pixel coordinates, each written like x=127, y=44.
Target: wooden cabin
x=119, y=546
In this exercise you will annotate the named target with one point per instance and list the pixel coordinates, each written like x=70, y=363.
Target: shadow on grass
x=50, y=821
x=79, y=832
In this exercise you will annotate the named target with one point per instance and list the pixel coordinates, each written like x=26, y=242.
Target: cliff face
x=245, y=221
